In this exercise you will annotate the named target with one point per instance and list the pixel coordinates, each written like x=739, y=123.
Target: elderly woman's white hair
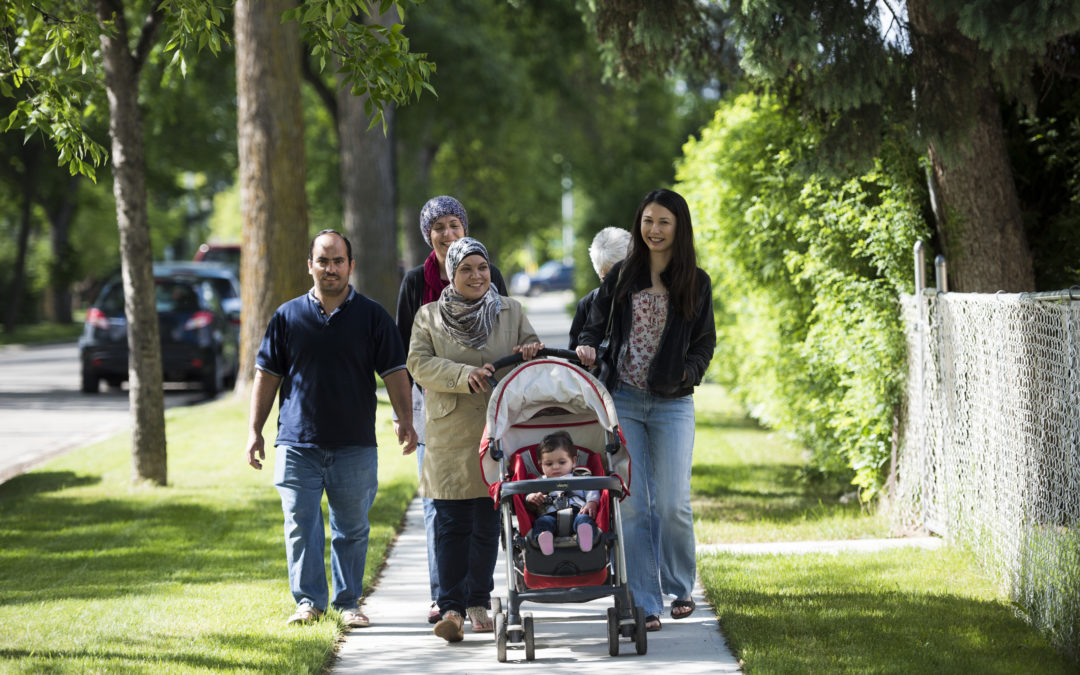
x=609, y=246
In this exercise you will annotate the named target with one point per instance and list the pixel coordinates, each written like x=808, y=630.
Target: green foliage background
x=806, y=269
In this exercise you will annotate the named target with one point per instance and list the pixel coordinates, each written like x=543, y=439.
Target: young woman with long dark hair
x=662, y=336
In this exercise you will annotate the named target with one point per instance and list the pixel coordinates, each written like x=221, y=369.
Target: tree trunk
x=272, y=170
x=18, y=280
x=369, y=194
x=979, y=221
x=60, y=220
x=416, y=249
x=146, y=395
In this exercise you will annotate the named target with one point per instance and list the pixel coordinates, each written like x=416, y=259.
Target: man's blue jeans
x=658, y=524
x=349, y=476
x=467, y=547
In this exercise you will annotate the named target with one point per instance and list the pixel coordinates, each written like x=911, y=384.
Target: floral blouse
x=646, y=328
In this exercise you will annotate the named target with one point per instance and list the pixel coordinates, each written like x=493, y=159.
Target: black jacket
x=685, y=345
x=581, y=315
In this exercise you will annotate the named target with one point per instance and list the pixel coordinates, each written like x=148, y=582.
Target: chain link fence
x=989, y=453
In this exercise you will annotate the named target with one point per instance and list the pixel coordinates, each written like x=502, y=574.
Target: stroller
x=534, y=399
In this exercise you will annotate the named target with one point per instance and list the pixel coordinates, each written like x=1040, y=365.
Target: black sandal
x=653, y=618
x=682, y=604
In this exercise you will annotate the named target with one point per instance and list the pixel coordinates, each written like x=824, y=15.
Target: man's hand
x=256, y=451
x=406, y=437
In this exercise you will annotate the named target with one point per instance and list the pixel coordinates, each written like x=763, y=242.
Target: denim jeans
x=548, y=523
x=467, y=546
x=349, y=476
x=429, y=530
x=658, y=524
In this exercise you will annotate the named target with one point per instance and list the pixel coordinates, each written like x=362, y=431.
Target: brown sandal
x=451, y=627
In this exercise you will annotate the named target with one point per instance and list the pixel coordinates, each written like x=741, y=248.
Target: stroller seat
x=568, y=566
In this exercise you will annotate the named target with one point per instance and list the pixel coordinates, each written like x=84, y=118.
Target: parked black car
x=553, y=275
x=199, y=329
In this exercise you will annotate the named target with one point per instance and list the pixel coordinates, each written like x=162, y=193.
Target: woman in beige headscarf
x=454, y=343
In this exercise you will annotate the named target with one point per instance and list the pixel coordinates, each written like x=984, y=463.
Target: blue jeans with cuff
x=349, y=477
x=658, y=523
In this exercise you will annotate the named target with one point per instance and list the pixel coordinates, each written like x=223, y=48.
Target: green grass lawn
x=900, y=611
x=97, y=576
x=41, y=333
x=748, y=484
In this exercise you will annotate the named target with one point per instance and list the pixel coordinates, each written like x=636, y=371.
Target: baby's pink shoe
x=547, y=542
x=584, y=537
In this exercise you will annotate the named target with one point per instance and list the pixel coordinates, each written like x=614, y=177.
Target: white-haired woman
x=608, y=247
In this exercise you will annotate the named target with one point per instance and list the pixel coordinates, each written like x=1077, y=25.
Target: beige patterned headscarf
x=467, y=321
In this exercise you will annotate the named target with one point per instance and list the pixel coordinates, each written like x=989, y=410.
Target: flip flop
x=354, y=618
x=652, y=623
x=684, y=605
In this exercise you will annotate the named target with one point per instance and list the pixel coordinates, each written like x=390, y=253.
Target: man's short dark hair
x=348, y=246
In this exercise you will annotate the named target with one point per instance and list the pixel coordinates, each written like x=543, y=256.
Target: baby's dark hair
x=558, y=440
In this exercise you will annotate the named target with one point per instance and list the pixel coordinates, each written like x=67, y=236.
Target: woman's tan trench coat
x=455, y=415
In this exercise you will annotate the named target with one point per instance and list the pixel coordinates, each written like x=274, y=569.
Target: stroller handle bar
x=528, y=486
x=514, y=359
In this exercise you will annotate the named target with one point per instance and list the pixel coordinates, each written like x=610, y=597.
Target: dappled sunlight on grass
x=100, y=576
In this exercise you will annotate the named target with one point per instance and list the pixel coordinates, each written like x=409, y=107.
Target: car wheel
x=90, y=381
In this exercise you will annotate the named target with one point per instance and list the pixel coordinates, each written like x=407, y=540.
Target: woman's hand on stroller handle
x=586, y=355
x=538, y=351
x=481, y=378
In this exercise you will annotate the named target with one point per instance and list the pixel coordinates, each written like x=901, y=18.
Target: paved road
x=43, y=413
x=548, y=315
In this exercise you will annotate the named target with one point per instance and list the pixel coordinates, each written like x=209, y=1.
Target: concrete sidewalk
x=400, y=640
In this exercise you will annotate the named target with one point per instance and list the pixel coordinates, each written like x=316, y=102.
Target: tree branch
x=147, y=36
x=328, y=97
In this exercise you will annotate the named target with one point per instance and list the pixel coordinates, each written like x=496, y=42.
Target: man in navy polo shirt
x=322, y=350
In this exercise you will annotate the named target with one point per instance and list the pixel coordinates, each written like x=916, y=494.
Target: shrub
x=807, y=265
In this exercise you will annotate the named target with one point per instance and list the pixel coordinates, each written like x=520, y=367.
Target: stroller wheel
x=613, y=631
x=640, y=641
x=496, y=605
x=530, y=639
x=500, y=637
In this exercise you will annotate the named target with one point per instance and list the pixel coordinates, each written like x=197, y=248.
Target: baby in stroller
x=558, y=457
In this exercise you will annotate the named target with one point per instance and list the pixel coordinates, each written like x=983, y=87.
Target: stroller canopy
x=552, y=392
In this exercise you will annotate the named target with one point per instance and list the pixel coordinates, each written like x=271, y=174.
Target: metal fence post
x=920, y=268
x=941, y=274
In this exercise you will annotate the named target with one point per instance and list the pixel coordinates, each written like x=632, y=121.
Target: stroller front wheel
x=500, y=637
x=530, y=640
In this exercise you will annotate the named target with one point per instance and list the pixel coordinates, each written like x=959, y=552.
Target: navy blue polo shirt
x=327, y=366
